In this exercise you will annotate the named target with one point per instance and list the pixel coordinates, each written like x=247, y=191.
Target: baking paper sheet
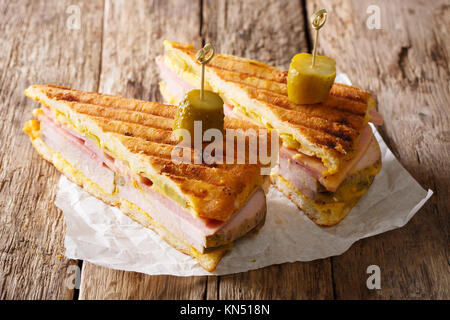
x=101, y=234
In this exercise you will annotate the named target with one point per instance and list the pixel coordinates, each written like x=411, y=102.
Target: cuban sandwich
x=120, y=151
x=328, y=156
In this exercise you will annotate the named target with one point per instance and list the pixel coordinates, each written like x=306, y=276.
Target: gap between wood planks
x=76, y=291
x=307, y=28
x=100, y=65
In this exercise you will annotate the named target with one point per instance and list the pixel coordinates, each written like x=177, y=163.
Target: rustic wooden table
x=405, y=62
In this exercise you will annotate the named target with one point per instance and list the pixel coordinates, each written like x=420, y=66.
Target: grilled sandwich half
x=120, y=150
x=329, y=156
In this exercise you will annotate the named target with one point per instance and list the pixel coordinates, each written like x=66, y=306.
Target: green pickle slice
x=307, y=84
x=192, y=108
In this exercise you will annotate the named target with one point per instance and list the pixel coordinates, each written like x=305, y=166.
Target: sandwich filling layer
x=114, y=177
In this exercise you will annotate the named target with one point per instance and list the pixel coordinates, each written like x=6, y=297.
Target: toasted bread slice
x=139, y=133
x=329, y=130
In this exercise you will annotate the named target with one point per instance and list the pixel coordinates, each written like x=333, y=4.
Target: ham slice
x=74, y=150
x=295, y=166
x=304, y=180
x=175, y=85
x=375, y=117
x=195, y=231
x=228, y=111
x=90, y=147
x=314, y=165
x=331, y=183
x=317, y=170
x=371, y=156
x=300, y=177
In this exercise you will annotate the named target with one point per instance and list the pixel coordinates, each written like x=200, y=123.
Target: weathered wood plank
x=405, y=64
x=37, y=47
x=272, y=32
x=269, y=31
x=312, y=280
x=132, y=39
x=103, y=283
x=212, y=288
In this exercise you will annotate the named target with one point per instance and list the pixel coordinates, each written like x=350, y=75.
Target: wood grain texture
x=133, y=35
x=271, y=32
x=108, y=284
x=406, y=65
x=36, y=47
x=311, y=280
x=268, y=31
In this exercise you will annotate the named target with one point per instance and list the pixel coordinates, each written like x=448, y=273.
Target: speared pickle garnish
x=311, y=76
x=200, y=105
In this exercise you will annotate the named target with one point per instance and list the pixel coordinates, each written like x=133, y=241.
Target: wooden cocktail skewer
x=318, y=20
x=204, y=56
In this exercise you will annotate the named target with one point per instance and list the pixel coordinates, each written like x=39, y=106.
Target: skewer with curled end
x=318, y=20
x=204, y=55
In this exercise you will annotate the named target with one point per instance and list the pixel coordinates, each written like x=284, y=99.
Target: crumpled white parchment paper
x=101, y=234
